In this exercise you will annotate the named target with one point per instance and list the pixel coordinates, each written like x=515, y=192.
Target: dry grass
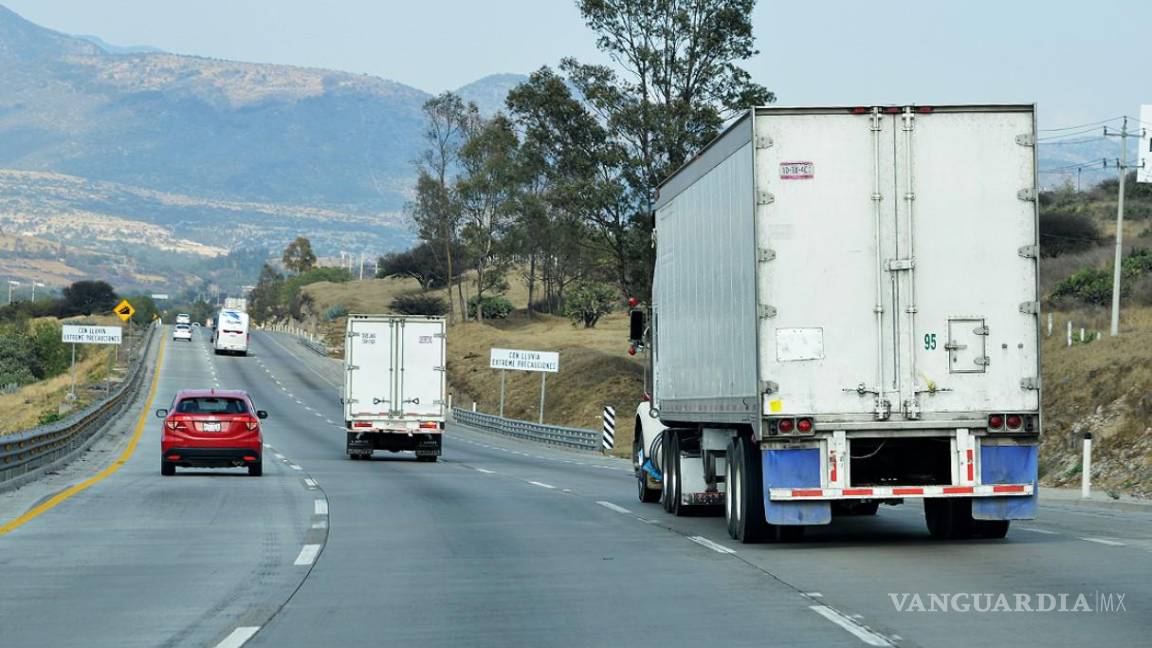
x=23, y=409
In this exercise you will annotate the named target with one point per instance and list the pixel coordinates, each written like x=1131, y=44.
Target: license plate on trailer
x=211, y=426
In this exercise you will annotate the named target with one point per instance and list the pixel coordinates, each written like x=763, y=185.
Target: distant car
x=182, y=332
x=183, y=318
x=211, y=428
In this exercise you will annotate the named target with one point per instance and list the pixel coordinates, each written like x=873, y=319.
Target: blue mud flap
x=1007, y=465
x=794, y=469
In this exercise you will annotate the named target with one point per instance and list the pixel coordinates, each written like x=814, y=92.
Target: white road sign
x=520, y=360
x=84, y=334
x=1144, y=171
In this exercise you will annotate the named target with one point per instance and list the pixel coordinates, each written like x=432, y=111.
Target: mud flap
x=797, y=468
x=1007, y=465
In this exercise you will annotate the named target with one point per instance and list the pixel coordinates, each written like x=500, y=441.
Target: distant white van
x=230, y=334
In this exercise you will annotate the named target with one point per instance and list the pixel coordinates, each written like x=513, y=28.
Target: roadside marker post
x=609, y=440
x=1086, y=468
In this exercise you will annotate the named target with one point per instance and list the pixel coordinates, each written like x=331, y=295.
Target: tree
x=421, y=263
x=487, y=192
x=87, y=297
x=589, y=302
x=298, y=256
x=264, y=300
x=435, y=210
x=680, y=80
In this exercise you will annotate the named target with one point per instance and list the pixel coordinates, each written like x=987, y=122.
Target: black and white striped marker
x=609, y=440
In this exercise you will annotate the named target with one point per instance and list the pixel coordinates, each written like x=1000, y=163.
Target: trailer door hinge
x=1026, y=139
x=894, y=265
x=766, y=254
x=980, y=330
x=1029, y=383
x=765, y=198
x=1030, y=307
x=982, y=361
x=763, y=142
x=350, y=401
x=769, y=387
x=767, y=312
x=439, y=335
x=1029, y=251
x=352, y=334
x=1026, y=194
x=437, y=368
x=353, y=367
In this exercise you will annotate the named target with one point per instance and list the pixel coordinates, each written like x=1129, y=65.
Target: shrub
x=420, y=304
x=1062, y=232
x=49, y=416
x=335, y=312
x=1091, y=285
x=589, y=302
x=495, y=307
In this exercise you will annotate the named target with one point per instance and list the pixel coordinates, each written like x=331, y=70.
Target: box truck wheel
x=646, y=495
x=427, y=458
x=949, y=518
x=670, y=494
x=746, y=490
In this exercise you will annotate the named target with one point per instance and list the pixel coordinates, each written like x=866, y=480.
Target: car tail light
x=173, y=457
x=251, y=423
x=995, y=422
x=249, y=458
x=1015, y=421
x=428, y=425
x=786, y=426
x=175, y=424
x=804, y=425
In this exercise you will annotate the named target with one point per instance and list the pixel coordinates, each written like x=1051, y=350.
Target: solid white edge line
x=307, y=555
x=295, y=467
x=857, y=630
x=321, y=506
x=1035, y=530
x=541, y=484
x=238, y=637
x=1105, y=541
x=714, y=546
x=612, y=507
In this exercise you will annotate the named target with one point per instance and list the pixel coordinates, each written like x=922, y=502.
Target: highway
x=501, y=543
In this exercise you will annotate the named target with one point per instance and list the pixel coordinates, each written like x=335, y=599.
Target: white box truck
x=230, y=332
x=395, y=384
x=844, y=313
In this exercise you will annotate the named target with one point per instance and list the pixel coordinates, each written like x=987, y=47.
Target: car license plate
x=211, y=426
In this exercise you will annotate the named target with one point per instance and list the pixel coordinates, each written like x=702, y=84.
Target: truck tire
x=729, y=490
x=949, y=518
x=645, y=494
x=427, y=458
x=747, y=485
x=991, y=529
x=167, y=468
x=256, y=469
x=670, y=494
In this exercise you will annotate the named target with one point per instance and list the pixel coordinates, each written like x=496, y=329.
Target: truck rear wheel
x=746, y=490
x=427, y=458
x=949, y=518
x=670, y=495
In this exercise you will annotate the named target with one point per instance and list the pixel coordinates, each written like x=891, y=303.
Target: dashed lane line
x=1105, y=541
x=612, y=507
x=860, y=632
x=541, y=484
x=307, y=555
x=321, y=506
x=238, y=637
x=714, y=546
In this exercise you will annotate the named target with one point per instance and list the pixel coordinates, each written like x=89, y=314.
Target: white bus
x=230, y=333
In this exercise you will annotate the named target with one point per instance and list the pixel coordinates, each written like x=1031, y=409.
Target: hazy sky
x=1077, y=60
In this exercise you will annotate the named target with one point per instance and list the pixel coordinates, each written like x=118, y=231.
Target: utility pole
x=34, y=284
x=1122, y=165
x=11, y=284
x=1079, y=170
x=361, y=266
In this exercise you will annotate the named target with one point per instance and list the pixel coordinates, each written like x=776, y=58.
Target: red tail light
x=786, y=426
x=632, y=350
x=428, y=425
x=175, y=424
x=804, y=425
x=632, y=302
x=995, y=422
x=861, y=110
x=893, y=110
x=251, y=423
x=1015, y=421
x=174, y=457
x=923, y=110
x=249, y=458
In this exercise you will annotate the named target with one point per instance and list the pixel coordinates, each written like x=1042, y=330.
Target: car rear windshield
x=183, y=327
x=212, y=405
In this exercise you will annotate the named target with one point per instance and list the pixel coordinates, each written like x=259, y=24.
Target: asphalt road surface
x=504, y=543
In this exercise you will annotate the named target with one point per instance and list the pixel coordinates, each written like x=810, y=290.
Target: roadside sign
x=84, y=334
x=160, y=296
x=124, y=310
x=520, y=360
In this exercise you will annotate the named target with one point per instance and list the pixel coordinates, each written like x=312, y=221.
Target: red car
x=211, y=428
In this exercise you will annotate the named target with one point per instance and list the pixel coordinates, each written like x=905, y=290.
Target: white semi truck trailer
x=395, y=384
x=844, y=313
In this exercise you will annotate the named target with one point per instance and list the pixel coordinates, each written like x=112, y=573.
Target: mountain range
x=216, y=154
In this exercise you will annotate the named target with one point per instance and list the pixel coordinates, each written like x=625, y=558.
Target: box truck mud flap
x=793, y=468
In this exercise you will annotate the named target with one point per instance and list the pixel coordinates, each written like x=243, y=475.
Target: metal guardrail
x=550, y=434
x=309, y=340
x=24, y=452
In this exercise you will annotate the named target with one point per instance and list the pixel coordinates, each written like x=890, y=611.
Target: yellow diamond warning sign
x=124, y=310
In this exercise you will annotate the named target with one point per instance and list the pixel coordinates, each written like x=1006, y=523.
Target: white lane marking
x=612, y=507
x=299, y=401
x=321, y=507
x=330, y=421
x=320, y=524
x=1105, y=541
x=486, y=472
x=814, y=594
x=267, y=446
x=318, y=414
x=714, y=546
x=308, y=554
x=857, y=630
x=308, y=408
x=295, y=467
x=541, y=484
x=279, y=456
x=238, y=637
x=309, y=482
x=1035, y=530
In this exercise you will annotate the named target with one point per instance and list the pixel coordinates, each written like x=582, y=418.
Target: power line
x=1074, y=141
x=1079, y=126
